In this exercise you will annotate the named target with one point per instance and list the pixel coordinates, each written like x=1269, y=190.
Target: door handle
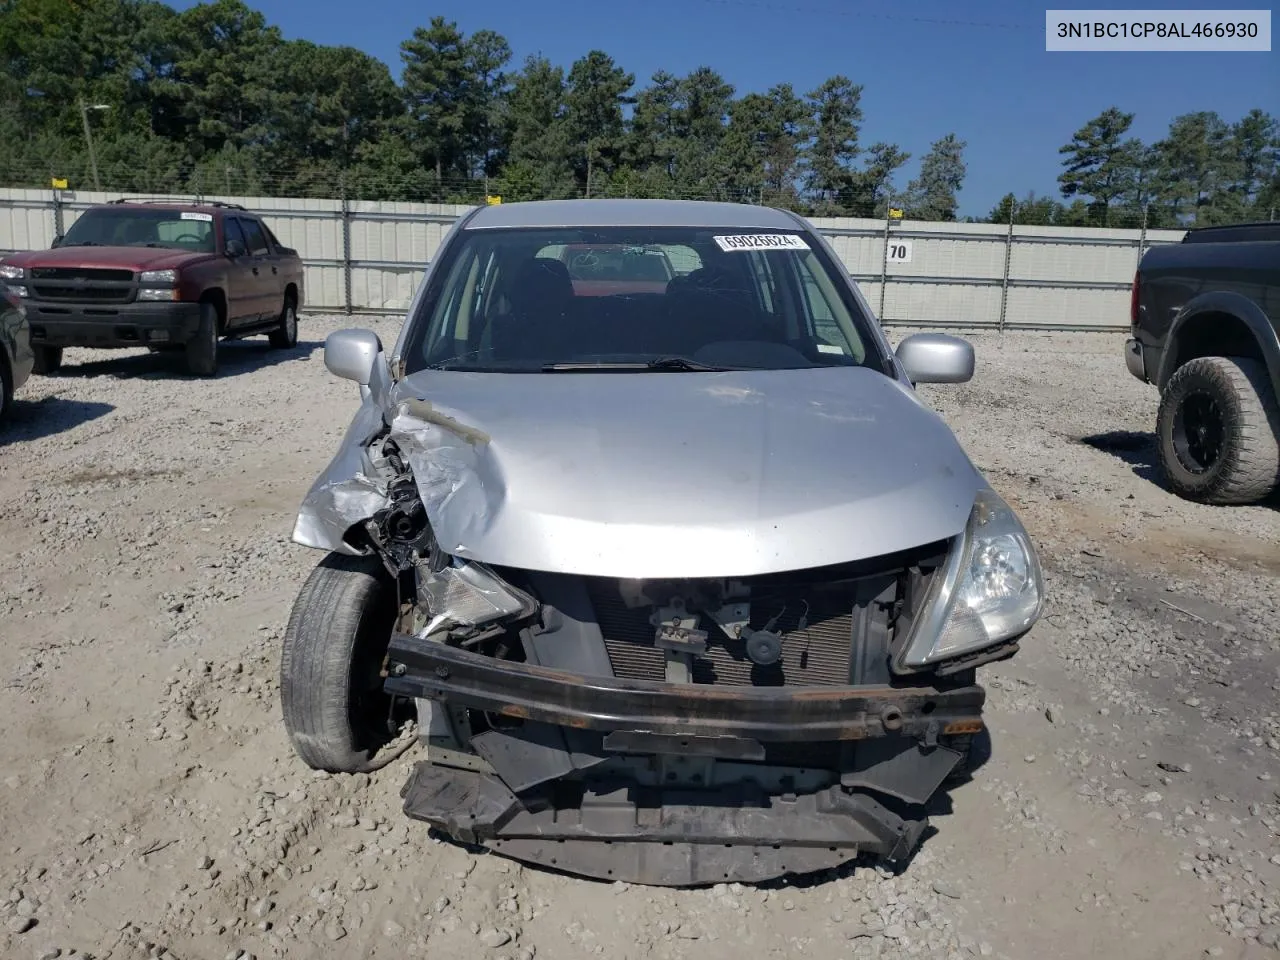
x=255, y=271
x=273, y=270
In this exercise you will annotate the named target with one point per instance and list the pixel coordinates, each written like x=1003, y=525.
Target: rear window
x=613, y=263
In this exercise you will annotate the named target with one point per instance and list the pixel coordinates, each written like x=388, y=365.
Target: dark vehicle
x=159, y=274
x=1204, y=318
x=682, y=587
x=15, y=347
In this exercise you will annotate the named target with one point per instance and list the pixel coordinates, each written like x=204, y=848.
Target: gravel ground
x=1127, y=805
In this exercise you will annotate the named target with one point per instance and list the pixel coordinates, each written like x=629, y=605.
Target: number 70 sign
x=899, y=251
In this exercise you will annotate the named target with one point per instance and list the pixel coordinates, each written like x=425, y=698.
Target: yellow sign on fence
x=493, y=201
x=895, y=213
x=59, y=183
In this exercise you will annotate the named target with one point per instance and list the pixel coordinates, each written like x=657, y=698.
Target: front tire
x=202, y=349
x=1218, y=431
x=285, y=336
x=47, y=360
x=335, y=711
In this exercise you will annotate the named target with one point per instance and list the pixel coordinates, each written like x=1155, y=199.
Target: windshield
x=134, y=227
x=636, y=298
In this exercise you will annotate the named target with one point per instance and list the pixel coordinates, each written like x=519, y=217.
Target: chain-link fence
x=367, y=256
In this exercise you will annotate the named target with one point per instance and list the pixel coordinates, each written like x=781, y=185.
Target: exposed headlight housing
x=467, y=595
x=9, y=271
x=158, y=276
x=990, y=590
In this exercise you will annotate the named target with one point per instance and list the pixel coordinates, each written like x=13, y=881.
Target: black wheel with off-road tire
x=285, y=335
x=335, y=710
x=48, y=360
x=1218, y=431
x=202, y=349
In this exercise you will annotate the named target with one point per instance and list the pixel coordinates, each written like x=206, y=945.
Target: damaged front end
x=678, y=731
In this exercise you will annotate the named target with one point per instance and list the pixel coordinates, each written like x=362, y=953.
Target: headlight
x=158, y=276
x=10, y=272
x=990, y=590
x=468, y=595
x=158, y=293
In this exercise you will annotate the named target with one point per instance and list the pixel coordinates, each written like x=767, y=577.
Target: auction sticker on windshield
x=203, y=217
x=762, y=241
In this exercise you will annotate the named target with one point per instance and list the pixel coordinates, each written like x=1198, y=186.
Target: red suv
x=168, y=275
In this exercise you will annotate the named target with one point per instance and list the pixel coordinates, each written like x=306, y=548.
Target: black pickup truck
x=1205, y=329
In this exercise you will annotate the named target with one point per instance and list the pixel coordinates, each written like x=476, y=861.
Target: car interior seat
x=536, y=328
x=712, y=304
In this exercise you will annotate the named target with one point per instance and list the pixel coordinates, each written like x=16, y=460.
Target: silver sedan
x=643, y=519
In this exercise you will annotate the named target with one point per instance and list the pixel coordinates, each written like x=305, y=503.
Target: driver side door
x=242, y=296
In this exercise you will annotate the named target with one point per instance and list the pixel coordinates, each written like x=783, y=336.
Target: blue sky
x=988, y=79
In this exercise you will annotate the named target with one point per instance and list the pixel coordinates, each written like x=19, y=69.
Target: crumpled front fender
x=344, y=495
x=441, y=454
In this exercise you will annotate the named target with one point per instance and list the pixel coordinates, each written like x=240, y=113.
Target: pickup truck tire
x=335, y=711
x=47, y=360
x=1218, y=431
x=202, y=349
x=285, y=336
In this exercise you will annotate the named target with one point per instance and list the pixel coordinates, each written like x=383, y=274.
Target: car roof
x=632, y=213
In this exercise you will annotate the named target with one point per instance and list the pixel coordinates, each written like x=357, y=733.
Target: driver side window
x=257, y=241
x=231, y=231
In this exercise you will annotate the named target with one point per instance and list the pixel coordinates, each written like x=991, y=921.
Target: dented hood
x=680, y=474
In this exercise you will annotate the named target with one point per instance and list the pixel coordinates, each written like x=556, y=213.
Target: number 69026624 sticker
x=761, y=241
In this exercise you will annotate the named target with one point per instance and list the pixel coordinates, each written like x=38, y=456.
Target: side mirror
x=936, y=358
x=352, y=354
x=235, y=249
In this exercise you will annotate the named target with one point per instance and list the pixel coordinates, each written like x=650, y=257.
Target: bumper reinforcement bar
x=431, y=670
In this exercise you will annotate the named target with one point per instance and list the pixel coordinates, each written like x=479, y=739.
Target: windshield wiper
x=661, y=363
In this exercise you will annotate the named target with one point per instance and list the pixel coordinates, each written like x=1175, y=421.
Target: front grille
x=80, y=284
x=80, y=273
x=818, y=655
